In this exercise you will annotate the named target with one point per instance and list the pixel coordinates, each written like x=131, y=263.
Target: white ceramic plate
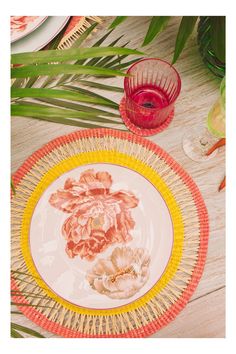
x=124, y=270
x=21, y=26
x=41, y=36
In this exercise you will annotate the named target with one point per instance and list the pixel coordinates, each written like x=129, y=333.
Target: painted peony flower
x=19, y=23
x=122, y=275
x=98, y=216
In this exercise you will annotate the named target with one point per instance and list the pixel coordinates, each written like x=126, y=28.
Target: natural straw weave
x=76, y=27
x=160, y=307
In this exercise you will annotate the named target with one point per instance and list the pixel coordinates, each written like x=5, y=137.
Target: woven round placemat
x=172, y=291
x=138, y=130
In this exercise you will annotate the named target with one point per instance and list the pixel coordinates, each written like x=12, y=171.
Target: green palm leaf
x=116, y=61
x=57, y=98
x=31, y=81
x=65, y=121
x=28, y=305
x=63, y=94
x=185, y=29
x=118, y=20
x=63, y=116
x=57, y=69
x=16, y=327
x=124, y=65
x=104, y=62
x=82, y=61
x=55, y=42
x=156, y=26
x=15, y=334
x=25, y=293
x=101, y=40
x=71, y=105
x=101, y=86
x=97, y=60
x=84, y=35
x=13, y=187
x=52, y=112
x=77, y=43
x=103, y=101
x=18, y=83
x=14, y=271
x=48, y=56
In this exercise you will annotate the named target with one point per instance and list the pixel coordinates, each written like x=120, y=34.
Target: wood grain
x=204, y=316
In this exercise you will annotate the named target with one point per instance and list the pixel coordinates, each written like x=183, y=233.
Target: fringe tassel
x=68, y=40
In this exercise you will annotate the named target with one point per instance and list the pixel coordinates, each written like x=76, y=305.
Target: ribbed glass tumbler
x=151, y=90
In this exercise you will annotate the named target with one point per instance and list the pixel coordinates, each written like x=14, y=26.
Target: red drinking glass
x=151, y=91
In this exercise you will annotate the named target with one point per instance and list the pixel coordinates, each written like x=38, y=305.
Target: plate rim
x=66, y=19
x=43, y=19
x=170, y=211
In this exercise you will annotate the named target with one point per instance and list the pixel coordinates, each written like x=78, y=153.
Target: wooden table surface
x=204, y=316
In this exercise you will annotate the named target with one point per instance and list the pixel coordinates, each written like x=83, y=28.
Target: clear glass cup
x=151, y=90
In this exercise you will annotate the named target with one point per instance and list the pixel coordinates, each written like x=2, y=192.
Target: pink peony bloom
x=122, y=275
x=98, y=217
x=19, y=23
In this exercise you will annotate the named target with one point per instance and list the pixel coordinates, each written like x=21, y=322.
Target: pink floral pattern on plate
x=98, y=217
x=19, y=23
x=122, y=275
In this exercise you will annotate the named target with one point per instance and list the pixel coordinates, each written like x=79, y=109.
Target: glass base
x=196, y=142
